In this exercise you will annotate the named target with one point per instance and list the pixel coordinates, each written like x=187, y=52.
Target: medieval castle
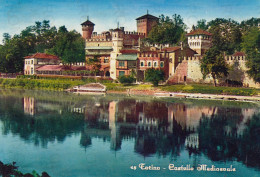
x=121, y=52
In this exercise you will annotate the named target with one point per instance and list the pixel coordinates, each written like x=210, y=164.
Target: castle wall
x=101, y=43
x=238, y=71
x=194, y=72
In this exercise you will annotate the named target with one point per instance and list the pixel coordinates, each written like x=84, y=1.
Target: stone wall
x=190, y=67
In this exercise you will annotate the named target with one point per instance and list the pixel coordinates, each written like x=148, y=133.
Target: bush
x=154, y=76
x=126, y=79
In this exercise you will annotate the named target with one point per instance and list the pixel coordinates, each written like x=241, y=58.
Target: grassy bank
x=210, y=89
x=62, y=84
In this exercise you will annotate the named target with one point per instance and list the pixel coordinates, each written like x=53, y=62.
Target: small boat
x=89, y=88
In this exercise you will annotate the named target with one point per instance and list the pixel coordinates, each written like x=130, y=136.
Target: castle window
x=155, y=64
x=32, y=62
x=149, y=64
x=121, y=73
x=161, y=64
x=122, y=63
x=106, y=60
x=142, y=63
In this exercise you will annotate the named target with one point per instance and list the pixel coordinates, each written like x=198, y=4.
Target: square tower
x=145, y=23
x=199, y=40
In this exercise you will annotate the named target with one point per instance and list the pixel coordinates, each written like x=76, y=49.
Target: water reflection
x=157, y=127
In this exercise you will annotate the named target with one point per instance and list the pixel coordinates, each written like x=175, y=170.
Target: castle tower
x=87, y=29
x=199, y=40
x=145, y=23
x=117, y=45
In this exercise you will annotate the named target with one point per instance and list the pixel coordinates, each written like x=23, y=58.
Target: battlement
x=235, y=58
x=149, y=54
x=98, y=40
x=195, y=58
x=134, y=33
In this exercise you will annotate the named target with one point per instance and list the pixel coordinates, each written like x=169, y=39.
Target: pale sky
x=16, y=15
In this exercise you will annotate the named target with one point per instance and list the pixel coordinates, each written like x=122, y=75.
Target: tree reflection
x=39, y=129
x=219, y=138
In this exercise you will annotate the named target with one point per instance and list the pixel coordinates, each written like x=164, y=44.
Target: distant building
x=32, y=62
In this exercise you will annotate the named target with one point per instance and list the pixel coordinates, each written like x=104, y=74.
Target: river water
x=115, y=135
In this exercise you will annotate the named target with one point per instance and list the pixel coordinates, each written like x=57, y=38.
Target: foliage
x=209, y=89
x=251, y=46
x=154, y=76
x=94, y=63
x=213, y=63
x=226, y=35
x=7, y=170
x=201, y=24
x=126, y=79
x=69, y=46
x=167, y=31
x=40, y=37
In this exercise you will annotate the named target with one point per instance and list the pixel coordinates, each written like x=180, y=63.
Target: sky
x=16, y=15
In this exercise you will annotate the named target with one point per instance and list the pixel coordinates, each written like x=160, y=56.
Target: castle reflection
x=163, y=128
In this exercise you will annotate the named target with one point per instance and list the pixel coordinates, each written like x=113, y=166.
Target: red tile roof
x=150, y=51
x=239, y=54
x=60, y=68
x=51, y=68
x=43, y=56
x=198, y=32
x=128, y=51
x=171, y=49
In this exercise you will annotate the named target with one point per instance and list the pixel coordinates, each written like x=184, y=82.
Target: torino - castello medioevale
x=121, y=52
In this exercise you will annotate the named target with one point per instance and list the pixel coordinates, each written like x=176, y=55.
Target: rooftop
x=127, y=57
x=239, y=54
x=198, y=32
x=147, y=16
x=171, y=49
x=87, y=23
x=129, y=51
x=43, y=56
x=60, y=68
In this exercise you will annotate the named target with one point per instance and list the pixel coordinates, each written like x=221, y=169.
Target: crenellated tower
x=87, y=29
x=117, y=45
x=199, y=40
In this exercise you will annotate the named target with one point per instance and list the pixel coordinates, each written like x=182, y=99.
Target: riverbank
x=197, y=91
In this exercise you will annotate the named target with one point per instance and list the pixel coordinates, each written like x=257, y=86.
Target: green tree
x=154, y=76
x=95, y=64
x=213, y=63
x=251, y=46
x=202, y=24
x=69, y=46
x=167, y=31
x=226, y=35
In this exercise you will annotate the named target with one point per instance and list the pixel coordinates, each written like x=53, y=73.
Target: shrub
x=126, y=79
x=154, y=76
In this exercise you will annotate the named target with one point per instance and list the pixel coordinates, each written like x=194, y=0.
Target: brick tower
x=87, y=29
x=145, y=23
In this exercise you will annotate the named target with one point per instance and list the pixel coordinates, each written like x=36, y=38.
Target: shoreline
x=188, y=95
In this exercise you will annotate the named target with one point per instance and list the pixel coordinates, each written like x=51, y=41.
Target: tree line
x=43, y=38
